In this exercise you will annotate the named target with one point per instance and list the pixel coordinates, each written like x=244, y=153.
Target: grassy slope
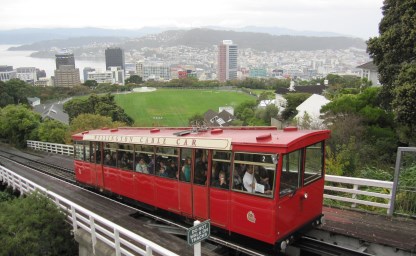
x=175, y=106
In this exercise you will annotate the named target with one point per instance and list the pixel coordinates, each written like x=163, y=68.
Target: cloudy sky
x=350, y=17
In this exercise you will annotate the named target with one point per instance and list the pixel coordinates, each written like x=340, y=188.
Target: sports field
x=171, y=107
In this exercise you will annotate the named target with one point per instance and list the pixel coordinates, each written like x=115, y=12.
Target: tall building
x=7, y=73
x=227, y=61
x=27, y=74
x=64, y=58
x=66, y=75
x=153, y=71
x=114, y=57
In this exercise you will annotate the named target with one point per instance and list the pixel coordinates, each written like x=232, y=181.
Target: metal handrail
x=122, y=240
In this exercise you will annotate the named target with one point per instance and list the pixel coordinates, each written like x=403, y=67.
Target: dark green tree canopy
x=15, y=91
x=134, y=79
x=396, y=45
x=99, y=105
x=34, y=226
x=18, y=124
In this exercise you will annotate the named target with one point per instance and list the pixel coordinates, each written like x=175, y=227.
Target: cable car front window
x=255, y=173
x=289, y=180
x=79, y=150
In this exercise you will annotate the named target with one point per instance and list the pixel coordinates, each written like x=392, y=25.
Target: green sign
x=200, y=232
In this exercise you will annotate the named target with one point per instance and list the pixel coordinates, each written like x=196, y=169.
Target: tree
x=245, y=111
x=91, y=83
x=404, y=101
x=18, y=124
x=293, y=101
x=360, y=116
x=393, y=51
x=15, y=91
x=33, y=225
x=86, y=122
x=197, y=118
x=52, y=131
x=265, y=114
x=100, y=105
x=134, y=79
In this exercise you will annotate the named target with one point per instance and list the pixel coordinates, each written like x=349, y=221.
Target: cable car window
x=125, y=157
x=94, y=152
x=289, y=180
x=88, y=152
x=221, y=165
x=98, y=149
x=201, y=166
x=167, y=162
x=186, y=164
x=110, y=154
x=79, y=150
x=255, y=173
x=145, y=159
x=314, y=162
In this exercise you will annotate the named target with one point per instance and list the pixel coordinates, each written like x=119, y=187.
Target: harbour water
x=22, y=59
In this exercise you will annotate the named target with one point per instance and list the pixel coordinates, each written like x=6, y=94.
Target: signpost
x=197, y=233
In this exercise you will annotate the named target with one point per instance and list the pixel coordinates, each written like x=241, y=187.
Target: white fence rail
x=122, y=240
x=353, y=187
x=61, y=149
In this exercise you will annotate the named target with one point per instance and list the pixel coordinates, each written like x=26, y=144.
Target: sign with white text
x=188, y=142
x=200, y=232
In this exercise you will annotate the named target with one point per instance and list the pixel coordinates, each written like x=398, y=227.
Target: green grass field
x=170, y=107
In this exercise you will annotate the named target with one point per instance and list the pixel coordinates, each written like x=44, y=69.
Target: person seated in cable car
x=250, y=183
x=162, y=171
x=141, y=166
x=171, y=169
x=201, y=167
x=185, y=174
x=221, y=182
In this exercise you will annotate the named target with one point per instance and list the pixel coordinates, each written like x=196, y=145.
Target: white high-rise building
x=227, y=61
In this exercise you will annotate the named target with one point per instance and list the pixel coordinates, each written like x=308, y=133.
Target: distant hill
x=204, y=38
x=31, y=35
x=200, y=38
x=69, y=43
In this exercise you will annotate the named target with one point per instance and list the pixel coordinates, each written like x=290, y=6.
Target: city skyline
x=359, y=18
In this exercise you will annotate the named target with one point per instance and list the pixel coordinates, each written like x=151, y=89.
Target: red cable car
x=260, y=182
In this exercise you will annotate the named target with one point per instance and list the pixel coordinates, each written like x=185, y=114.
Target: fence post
x=117, y=242
x=395, y=182
x=148, y=250
x=354, y=196
x=93, y=236
x=74, y=219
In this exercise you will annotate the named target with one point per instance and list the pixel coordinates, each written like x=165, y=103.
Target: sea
x=22, y=59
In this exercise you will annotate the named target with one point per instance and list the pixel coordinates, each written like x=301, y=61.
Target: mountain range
x=199, y=38
x=31, y=35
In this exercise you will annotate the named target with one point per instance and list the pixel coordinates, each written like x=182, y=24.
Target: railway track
x=44, y=167
x=316, y=247
x=307, y=245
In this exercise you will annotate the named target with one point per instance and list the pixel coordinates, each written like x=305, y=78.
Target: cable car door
x=200, y=186
x=184, y=184
x=99, y=174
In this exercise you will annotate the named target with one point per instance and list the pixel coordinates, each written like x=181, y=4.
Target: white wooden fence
x=355, y=186
x=122, y=240
x=61, y=149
